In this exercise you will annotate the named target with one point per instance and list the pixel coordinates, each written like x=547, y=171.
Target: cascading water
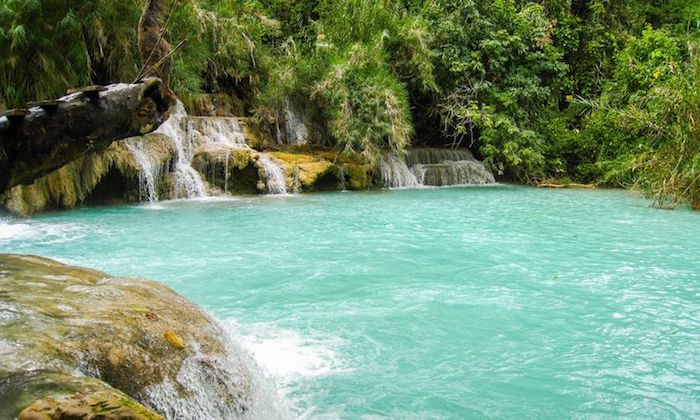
x=246, y=394
x=427, y=156
x=187, y=183
x=187, y=135
x=275, y=180
x=149, y=170
x=396, y=174
x=461, y=172
x=218, y=131
x=228, y=155
x=295, y=182
x=295, y=128
x=342, y=184
x=434, y=167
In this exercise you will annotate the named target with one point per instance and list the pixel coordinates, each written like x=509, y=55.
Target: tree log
x=34, y=145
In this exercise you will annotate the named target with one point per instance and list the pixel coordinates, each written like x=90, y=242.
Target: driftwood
x=56, y=132
x=571, y=185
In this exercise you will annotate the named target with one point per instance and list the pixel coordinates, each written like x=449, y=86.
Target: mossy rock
x=307, y=171
x=358, y=176
x=136, y=336
x=79, y=398
x=214, y=161
x=256, y=136
x=107, y=176
x=213, y=104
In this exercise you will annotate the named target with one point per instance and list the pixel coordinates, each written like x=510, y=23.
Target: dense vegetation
x=603, y=91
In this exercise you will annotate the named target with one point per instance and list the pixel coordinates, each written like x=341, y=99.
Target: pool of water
x=504, y=301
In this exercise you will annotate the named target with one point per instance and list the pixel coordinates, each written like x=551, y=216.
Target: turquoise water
x=503, y=302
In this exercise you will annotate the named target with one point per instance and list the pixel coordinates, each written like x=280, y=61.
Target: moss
x=242, y=173
x=71, y=321
x=104, y=404
x=175, y=340
x=213, y=105
x=50, y=395
x=309, y=172
x=75, y=182
x=295, y=158
x=255, y=135
x=358, y=176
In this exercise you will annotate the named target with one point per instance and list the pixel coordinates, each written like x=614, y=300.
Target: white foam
x=45, y=232
x=287, y=359
x=288, y=356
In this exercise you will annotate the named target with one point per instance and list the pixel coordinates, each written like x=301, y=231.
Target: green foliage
x=648, y=116
x=597, y=91
x=502, y=73
x=354, y=68
x=366, y=107
x=49, y=45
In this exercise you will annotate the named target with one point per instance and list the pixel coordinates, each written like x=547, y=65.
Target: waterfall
x=245, y=393
x=295, y=127
x=149, y=170
x=227, y=157
x=434, y=167
x=342, y=173
x=219, y=131
x=427, y=156
x=295, y=183
x=187, y=134
x=275, y=180
x=461, y=172
x=396, y=174
x=187, y=181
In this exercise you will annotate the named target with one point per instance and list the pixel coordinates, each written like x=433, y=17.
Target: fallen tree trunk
x=571, y=185
x=42, y=139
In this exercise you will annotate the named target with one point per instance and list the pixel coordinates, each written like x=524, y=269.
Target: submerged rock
x=78, y=340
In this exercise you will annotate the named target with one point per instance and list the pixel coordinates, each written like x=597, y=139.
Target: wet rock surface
x=75, y=340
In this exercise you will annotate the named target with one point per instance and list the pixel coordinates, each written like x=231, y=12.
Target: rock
x=121, y=342
x=110, y=175
x=44, y=141
x=95, y=401
x=312, y=173
x=213, y=105
x=322, y=170
x=231, y=169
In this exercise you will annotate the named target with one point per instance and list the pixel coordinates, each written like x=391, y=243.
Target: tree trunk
x=154, y=49
x=51, y=136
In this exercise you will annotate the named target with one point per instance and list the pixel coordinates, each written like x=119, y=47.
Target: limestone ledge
x=114, y=175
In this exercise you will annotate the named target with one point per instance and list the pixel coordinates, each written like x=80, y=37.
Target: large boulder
x=75, y=340
x=46, y=139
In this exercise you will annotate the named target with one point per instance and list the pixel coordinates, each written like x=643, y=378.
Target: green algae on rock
x=312, y=169
x=108, y=175
x=83, y=398
x=61, y=326
x=231, y=170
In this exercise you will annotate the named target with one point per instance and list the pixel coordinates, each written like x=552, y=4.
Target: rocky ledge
x=80, y=344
